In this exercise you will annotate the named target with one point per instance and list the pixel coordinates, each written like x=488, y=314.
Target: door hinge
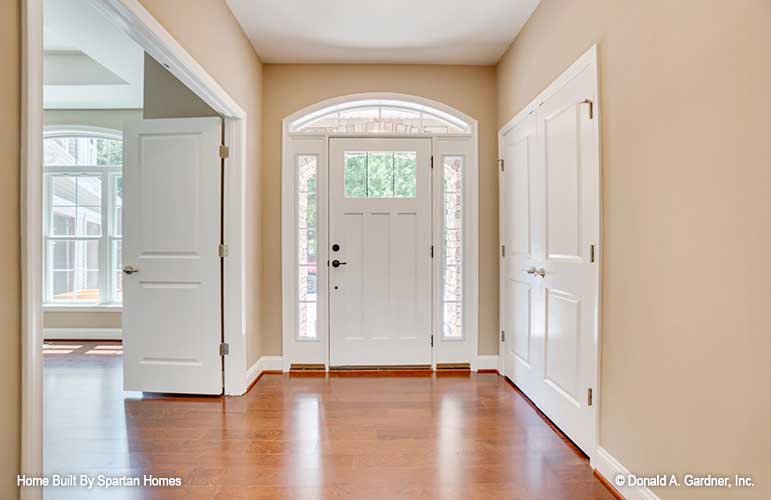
x=503, y=336
x=500, y=164
x=591, y=107
x=223, y=250
x=224, y=349
x=432, y=340
x=589, y=397
x=432, y=161
x=503, y=250
x=591, y=252
x=432, y=251
x=224, y=151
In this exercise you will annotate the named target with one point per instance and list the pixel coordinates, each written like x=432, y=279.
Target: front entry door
x=380, y=251
x=171, y=286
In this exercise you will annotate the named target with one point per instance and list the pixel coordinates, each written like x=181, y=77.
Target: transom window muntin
x=373, y=116
x=82, y=227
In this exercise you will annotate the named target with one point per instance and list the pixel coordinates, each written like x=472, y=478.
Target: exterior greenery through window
x=388, y=174
x=83, y=227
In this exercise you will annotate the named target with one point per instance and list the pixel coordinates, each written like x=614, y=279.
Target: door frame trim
x=132, y=18
x=587, y=60
x=471, y=279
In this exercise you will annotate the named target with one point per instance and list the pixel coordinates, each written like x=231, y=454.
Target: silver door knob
x=540, y=272
x=130, y=269
x=530, y=270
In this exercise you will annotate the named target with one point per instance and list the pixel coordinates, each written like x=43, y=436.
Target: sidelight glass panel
x=307, y=223
x=452, y=246
x=380, y=174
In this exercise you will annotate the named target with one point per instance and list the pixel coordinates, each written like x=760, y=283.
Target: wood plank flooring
x=422, y=436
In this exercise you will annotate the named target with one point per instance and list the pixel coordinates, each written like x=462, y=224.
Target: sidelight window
x=307, y=228
x=452, y=246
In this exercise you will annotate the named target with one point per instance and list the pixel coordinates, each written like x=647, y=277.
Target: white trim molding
x=82, y=334
x=609, y=467
x=486, y=362
x=264, y=364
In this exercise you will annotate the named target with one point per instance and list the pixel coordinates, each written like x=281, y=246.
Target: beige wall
x=10, y=292
x=686, y=152
x=166, y=97
x=210, y=33
x=471, y=89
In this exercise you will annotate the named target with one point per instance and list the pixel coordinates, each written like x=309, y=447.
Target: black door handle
x=337, y=263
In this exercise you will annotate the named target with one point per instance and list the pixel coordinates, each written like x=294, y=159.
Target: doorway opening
x=379, y=223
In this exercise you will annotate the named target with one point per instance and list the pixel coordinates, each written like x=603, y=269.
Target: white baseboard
x=487, y=362
x=609, y=467
x=264, y=364
x=82, y=334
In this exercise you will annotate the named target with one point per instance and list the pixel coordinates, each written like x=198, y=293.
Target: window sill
x=82, y=308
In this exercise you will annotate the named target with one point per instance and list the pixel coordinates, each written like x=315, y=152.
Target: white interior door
x=550, y=285
x=380, y=251
x=172, y=280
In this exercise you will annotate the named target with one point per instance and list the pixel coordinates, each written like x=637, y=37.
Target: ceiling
x=383, y=31
x=88, y=63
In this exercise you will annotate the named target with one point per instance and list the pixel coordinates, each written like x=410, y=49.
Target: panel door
x=549, y=283
x=380, y=241
x=172, y=282
x=567, y=142
x=522, y=210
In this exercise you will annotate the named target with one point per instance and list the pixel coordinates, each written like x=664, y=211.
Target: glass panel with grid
x=452, y=247
x=307, y=224
x=380, y=174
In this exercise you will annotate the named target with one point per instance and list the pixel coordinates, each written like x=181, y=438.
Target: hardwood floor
x=449, y=436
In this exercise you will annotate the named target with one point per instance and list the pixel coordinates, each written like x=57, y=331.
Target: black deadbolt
x=335, y=247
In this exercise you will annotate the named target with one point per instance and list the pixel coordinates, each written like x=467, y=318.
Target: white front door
x=550, y=277
x=172, y=280
x=380, y=251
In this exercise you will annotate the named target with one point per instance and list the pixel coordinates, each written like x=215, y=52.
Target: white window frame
x=107, y=174
x=296, y=142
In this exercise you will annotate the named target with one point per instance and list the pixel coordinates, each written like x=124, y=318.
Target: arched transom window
x=376, y=116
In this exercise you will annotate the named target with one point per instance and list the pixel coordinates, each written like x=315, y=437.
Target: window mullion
x=104, y=244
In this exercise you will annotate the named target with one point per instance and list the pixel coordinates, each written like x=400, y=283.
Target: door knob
x=337, y=263
x=530, y=270
x=130, y=269
x=540, y=272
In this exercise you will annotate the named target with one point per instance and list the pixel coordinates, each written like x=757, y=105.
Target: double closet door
x=549, y=230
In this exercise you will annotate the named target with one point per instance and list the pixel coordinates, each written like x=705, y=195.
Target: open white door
x=380, y=253
x=550, y=229
x=172, y=318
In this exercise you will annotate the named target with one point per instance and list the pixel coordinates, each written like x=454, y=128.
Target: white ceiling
x=382, y=31
x=88, y=62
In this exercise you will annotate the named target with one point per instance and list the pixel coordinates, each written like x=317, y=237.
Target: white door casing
x=550, y=227
x=380, y=299
x=172, y=314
